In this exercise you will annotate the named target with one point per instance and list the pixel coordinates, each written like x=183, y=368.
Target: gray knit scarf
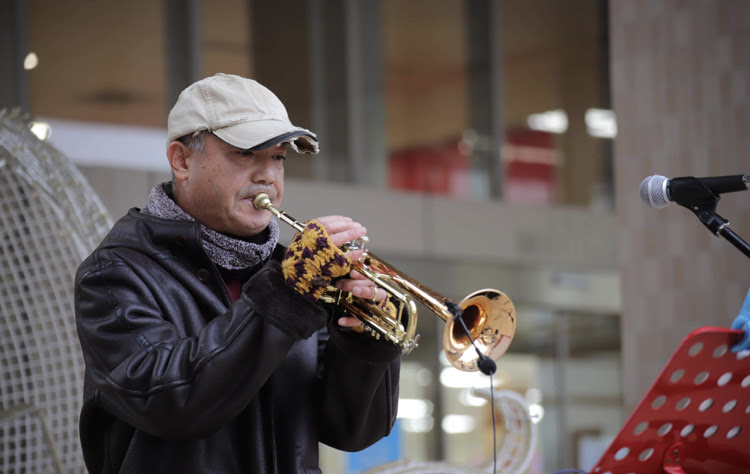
x=227, y=252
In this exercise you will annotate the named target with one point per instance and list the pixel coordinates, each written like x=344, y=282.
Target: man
x=206, y=348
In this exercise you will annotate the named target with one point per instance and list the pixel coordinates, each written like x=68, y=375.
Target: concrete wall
x=680, y=72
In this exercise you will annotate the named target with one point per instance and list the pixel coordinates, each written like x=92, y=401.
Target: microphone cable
x=487, y=366
x=494, y=434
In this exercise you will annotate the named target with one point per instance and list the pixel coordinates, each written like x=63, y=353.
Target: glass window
x=558, y=126
x=554, y=93
x=426, y=95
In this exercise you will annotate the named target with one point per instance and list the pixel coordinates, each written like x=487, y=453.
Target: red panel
x=439, y=169
x=529, y=157
x=531, y=164
x=696, y=416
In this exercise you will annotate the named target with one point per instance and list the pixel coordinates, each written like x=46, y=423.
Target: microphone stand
x=702, y=203
x=720, y=226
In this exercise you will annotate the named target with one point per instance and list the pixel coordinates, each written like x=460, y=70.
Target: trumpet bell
x=490, y=317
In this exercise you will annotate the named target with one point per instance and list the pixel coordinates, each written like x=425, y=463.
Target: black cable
x=494, y=435
x=487, y=366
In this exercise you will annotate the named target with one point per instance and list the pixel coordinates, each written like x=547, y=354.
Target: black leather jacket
x=181, y=380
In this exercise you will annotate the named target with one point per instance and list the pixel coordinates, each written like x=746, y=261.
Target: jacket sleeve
x=359, y=389
x=174, y=381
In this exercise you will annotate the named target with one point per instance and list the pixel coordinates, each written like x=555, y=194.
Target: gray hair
x=196, y=141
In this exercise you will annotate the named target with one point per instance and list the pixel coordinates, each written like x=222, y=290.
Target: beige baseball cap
x=239, y=111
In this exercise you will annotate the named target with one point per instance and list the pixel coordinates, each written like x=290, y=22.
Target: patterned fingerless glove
x=312, y=261
x=388, y=307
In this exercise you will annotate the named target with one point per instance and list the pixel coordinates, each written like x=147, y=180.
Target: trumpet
x=483, y=323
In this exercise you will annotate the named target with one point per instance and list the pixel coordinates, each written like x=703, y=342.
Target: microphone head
x=487, y=366
x=653, y=191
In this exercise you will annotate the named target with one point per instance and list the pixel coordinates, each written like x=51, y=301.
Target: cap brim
x=258, y=135
x=291, y=137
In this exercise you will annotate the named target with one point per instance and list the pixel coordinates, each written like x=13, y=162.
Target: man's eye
x=246, y=153
x=280, y=157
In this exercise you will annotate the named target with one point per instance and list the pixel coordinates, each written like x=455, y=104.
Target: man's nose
x=264, y=172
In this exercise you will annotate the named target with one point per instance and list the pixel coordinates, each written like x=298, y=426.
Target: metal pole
x=14, y=80
x=182, y=26
x=485, y=71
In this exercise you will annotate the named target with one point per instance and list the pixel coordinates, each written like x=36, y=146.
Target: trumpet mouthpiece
x=262, y=201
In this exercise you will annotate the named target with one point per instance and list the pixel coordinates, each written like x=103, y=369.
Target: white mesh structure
x=50, y=219
x=515, y=448
x=520, y=437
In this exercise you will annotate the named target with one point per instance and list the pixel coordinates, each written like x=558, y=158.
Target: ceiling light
x=536, y=412
x=41, y=129
x=554, y=121
x=31, y=61
x=414, y=408
x=601, y=123
x=417, y=425
x=454, y=378
x=457, y=424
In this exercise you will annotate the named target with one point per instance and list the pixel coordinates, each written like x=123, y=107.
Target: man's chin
x=253, y=227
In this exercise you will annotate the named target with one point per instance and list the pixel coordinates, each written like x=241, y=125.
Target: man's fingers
x=334, y=221
x=355, y=275
x=354, y=255
x=341, y=237
x=342, y=229
x=335, y=224
x=366, y=292
x=349, y=322
x=361, y=286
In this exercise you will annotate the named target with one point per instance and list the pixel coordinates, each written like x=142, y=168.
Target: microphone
x=657, y=191
x=486, y=365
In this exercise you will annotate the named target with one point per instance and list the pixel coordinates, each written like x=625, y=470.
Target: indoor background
x=483, y=143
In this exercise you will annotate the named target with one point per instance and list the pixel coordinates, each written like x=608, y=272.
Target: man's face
x=219, y=185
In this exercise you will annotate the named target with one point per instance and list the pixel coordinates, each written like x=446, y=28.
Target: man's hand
x=342, y=230
x=313, y=260
x=361, y=287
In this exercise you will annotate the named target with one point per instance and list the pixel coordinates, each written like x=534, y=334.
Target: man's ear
x=178, y=154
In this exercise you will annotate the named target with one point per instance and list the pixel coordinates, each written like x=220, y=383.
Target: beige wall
x=680, y=73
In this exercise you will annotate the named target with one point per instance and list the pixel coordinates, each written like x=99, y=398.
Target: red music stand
x=696, y=416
